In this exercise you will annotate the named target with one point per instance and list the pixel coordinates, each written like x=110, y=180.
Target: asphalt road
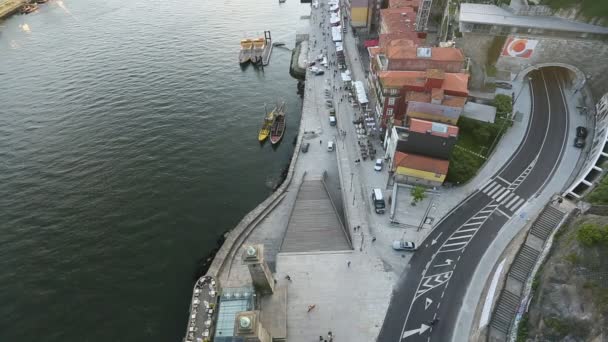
x=441, y=270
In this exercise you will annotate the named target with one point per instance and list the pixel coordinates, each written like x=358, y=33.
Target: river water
x=128, y=145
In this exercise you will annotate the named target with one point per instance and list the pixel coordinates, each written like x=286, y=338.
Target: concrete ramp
x=314, y=224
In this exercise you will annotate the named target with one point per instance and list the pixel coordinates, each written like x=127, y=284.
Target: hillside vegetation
x=589, y=8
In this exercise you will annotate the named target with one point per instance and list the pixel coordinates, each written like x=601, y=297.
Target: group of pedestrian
x=330, y=338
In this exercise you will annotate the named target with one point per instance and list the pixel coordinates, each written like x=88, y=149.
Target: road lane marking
x=466, y=230
x=456, y=244
x=419, y=331
x=502, y=212
x=471, y=224
x=427, y=303
x=460, y=237
x=504, y=180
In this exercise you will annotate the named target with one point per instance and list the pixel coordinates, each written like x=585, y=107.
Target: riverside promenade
x=337, y=278
x=7, y=7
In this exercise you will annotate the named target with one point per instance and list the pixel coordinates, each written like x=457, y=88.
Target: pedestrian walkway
x=314, y=224
x=509, y=300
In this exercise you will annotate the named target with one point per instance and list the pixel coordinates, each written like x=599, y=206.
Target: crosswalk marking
x=499, y=192
x=509, y=197
x=502, y=196
x=494, y=190
x=517, y=204
x=511, y=201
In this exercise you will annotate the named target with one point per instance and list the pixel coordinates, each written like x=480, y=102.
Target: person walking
x=320, y=142
x=348, y=263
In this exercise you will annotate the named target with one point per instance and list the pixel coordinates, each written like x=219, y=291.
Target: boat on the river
x=246, y=51
x=28, y=8
x=258, y=50
x=278, y=124
x=268, y=119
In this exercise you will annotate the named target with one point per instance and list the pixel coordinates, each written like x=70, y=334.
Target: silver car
x=400, y=245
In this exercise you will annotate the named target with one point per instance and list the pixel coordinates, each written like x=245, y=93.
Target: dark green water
x=127, y=147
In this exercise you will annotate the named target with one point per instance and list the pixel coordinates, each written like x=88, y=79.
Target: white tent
x=360, y=92
x=336, y=33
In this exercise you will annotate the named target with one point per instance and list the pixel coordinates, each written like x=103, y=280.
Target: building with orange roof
x=416, y=169
x=395, y=89
x=415, y=4
x=397, y=20
x=425, y=138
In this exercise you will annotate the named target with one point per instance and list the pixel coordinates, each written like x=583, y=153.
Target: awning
x=371, y=43
x=360, y=92
x=346, y=76
x=336, y=33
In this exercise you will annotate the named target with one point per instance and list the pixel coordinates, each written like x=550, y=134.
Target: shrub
x=590, y=234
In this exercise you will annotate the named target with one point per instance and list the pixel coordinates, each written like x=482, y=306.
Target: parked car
x=316, y=70
x=329, y=104
x=378, y=165
x=400, y=245
x=581, y=132
x=305, y=147
x=332, y=121
x=579, y=142
x=503, y=85
x=330, y=146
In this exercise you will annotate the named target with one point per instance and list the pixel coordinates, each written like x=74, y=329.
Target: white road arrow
x=428, y=303
x=419, y=331
x=434, y=241
x=448, y=262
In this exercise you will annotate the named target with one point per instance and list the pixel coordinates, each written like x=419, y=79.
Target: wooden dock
x=8, y=7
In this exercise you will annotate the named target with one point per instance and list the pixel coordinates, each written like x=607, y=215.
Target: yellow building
x=416, y=169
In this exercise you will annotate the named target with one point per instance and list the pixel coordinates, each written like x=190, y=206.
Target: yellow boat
x=265, y=130
x=259, y=44
x=246, y=51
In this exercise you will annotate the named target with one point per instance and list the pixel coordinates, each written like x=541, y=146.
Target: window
x=391, y=101
x=389, y=112
x=394, y=91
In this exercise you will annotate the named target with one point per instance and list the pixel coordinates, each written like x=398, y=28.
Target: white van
x=332, y=120
x=378, y=201
x=324, y=61
x=330, y=146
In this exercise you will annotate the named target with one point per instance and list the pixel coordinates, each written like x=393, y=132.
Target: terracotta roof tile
x=394, y=79
x=404, y=3
x=386, y=38
x=423, y=126
x=437, y=94
x=456, y=83
x=417, y=162
x=418, y=96
x=454, y=101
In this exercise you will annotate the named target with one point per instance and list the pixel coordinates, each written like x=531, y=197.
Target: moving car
x=503, y=85
x=330, y=146
x=305, y=147
x=400, y=245
x=581, y=134
x=378, y=165
x=378, y=201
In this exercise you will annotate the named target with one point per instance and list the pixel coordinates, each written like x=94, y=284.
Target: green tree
x=590, y=234
x=504, y=105
x=418, y=194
